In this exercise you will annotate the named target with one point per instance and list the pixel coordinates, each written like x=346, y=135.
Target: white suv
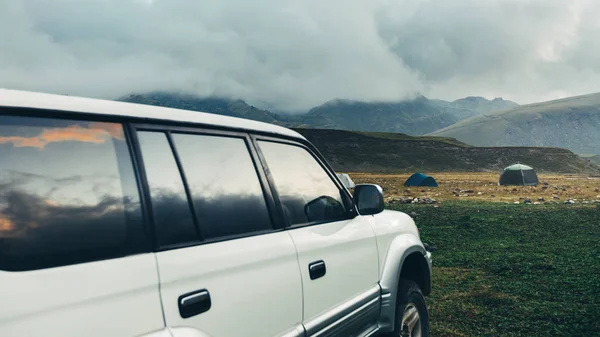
x=119, y=219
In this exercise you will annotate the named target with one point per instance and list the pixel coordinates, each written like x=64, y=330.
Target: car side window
x=68, y=193
x=173, y=219
x=306, y=192
x=224, y=185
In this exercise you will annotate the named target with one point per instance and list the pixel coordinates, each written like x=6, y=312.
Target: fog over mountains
x=413, y=117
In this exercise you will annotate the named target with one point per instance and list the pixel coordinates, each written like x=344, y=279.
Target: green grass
x=512, y=270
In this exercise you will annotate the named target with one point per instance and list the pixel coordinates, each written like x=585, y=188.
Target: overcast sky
x=292, y=55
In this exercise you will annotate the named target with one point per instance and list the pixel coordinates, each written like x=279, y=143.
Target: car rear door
x=337, y=250
x=74, y=255
x=226, y=269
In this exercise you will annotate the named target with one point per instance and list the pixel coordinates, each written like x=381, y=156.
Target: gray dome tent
x=518, y=174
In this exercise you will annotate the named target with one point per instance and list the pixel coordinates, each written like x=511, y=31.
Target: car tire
x=412, y=318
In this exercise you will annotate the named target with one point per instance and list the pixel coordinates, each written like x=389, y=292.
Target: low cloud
x=294, y=55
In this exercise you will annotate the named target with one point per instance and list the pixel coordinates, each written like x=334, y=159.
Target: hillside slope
x=349, y=151
x=572, y=123
x=474, y=106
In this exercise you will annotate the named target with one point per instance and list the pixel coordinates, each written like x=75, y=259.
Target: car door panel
x=225, y=271
x=117, y=297
x=74, y=252
x=254, y=285
x=348, y=249
x=337, y=250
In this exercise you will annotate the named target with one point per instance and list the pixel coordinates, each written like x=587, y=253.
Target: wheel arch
x=405, y=258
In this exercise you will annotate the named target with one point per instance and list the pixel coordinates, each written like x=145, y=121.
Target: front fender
x=401, y=246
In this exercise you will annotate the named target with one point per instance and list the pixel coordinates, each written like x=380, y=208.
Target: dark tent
x=518, y=174
x=420, y=179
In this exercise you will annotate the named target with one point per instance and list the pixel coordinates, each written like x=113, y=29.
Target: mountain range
x=415, y=116
x=572, y=123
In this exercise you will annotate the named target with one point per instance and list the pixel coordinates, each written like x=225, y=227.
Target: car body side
x=400, y=251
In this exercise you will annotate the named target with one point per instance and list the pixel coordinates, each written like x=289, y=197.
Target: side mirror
x=368, y=199
x=324, y=208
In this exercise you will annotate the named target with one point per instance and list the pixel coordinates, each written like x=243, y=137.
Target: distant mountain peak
x=471, y=99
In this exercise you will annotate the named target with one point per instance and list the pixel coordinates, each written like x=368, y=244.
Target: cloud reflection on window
x=95, y=133
x=67, y=192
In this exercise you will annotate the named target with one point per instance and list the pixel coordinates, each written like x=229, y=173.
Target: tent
x=420, y=179
x=345, y=179
x=518, y=174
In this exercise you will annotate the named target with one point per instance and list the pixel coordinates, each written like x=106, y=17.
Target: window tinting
x=172, y=215
x=222, y=179
x=306, y=192
x=67, y=193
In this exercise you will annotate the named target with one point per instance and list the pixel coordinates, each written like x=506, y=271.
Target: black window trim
x=351, y=212
x=276, y=221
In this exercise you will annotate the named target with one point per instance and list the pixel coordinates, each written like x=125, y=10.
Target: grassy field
x=512, y=270
x=484, y=187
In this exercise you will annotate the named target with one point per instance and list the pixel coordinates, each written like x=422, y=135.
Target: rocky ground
x=553, y=188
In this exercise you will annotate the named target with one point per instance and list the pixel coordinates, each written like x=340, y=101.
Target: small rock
x=564, y=189
x=546, y=183
x=597, y=190
x=516, y=202
x=514, y=189
x=540, y=199
x=527, y=201
x=585, y=202
x=537, y=203
x=555, y=187
x=544, y=187
x=570, y=201
x=466, y=191
x=413, y=214
x=493, y=196
x=479, y=193
x=556, y=197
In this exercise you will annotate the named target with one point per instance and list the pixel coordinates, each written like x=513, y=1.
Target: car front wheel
x=412, y=319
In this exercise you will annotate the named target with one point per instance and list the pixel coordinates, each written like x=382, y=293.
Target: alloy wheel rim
x=411, y=322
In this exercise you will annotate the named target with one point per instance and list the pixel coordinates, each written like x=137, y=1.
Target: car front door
x=337, y=251
x=224, y=270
